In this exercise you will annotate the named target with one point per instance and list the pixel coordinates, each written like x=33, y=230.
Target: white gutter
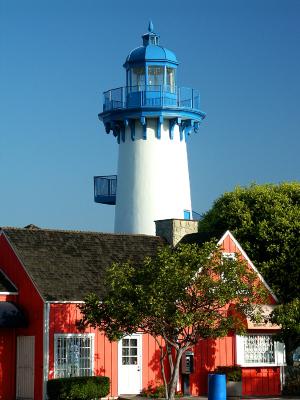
x=46, y=348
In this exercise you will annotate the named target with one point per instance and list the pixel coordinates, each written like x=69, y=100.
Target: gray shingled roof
x=67, y=265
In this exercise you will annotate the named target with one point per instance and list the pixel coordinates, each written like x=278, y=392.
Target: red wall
x=63, y=318
x=31, y=303
x=261, y=381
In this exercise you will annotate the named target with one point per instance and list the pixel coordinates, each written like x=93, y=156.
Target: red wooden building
x=45, y=274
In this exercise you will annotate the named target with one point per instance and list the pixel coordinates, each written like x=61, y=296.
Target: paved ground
x=135, y=397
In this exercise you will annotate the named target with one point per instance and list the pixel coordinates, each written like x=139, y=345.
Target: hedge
x=78, y=388
x=233, y=373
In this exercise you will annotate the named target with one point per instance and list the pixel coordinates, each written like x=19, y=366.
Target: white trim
x=244, y=254
x=78, y=335
x=66, y=302
x=9, y=293
x=46, y=348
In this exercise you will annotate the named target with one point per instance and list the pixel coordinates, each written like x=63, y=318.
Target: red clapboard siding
x=63, y=319
x=261, y=381
x=7, y=363
x=208, y=354
x=30, y=301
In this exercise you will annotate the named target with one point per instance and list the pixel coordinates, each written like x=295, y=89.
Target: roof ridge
x=4, y=228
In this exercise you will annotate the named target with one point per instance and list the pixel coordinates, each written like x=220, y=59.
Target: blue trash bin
x=216, y=387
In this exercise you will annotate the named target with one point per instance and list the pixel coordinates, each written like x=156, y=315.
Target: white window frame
x=229, y=255
x=91, y=336
x=279, y=352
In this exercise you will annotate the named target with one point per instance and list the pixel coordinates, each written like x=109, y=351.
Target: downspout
x=46, y=348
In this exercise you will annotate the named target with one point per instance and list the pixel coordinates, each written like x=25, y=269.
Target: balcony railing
x=151, y=96
x=105, y=188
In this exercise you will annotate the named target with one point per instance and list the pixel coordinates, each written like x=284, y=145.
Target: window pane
x=155, y=75
x=133, y=342
x=170, y=79
x=125, y=360
x=133, y=351
x=125, y=342
x=137, y=77
x=125, y=351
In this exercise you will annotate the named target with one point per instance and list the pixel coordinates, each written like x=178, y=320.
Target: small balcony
x=148, y=96
x=105, y=188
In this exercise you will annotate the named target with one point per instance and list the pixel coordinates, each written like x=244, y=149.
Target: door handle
x=138, y=368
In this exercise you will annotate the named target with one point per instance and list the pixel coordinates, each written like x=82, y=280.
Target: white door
x=130, y=364
x=25, y=368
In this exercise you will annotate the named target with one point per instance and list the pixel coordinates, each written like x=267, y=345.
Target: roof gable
x=230, y=244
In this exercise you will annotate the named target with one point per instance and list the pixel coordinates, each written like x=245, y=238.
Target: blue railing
x=105, y=188
x=151, y=96
x=196, y=216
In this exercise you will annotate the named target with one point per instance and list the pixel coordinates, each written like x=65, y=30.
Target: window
x=129, y=351
x=229, y=256
x=155, y=76
x=73, y=355
x=170, y=79
x=138, y=76
x=259, y=350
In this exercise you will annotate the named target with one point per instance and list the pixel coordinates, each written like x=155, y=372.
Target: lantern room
x=151, y=67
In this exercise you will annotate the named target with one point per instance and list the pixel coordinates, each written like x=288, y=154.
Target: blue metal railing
x=105, y=188
x=196, y=216
x=151, y=96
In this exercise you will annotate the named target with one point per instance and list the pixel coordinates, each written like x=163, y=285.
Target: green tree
x=266, y=221
x=179, y=297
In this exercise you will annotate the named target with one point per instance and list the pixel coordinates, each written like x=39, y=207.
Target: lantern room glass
x=155, y=75
x=170, y=79
x=138, y=76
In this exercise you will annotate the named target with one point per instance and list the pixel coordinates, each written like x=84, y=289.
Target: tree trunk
x=174, y=376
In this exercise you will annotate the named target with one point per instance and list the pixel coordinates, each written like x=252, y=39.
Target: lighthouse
x=151, y=118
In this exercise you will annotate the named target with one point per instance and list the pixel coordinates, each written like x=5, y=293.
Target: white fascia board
x=46, y=348
x=244, y=254
x=65, y=302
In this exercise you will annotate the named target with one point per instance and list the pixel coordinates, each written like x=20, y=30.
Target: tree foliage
x=288, y=316
x=180, y=296
x=266, y=221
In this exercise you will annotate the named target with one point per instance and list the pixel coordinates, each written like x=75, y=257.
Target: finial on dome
x=150, y=37
x=150, y=27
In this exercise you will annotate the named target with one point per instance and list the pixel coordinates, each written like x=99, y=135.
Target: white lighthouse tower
x=150, y=117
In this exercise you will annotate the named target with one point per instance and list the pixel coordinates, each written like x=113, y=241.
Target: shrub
x=233, y=373
x=154, y=392
x=78, y=388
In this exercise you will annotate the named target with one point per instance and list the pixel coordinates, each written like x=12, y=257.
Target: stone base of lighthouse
x=153, y=178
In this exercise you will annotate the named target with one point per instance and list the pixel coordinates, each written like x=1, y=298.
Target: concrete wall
x=153, y=179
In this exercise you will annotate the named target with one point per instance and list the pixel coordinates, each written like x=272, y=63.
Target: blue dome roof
x=151, y=53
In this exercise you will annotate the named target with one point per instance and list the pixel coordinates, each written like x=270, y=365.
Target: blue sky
x=57, y=57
